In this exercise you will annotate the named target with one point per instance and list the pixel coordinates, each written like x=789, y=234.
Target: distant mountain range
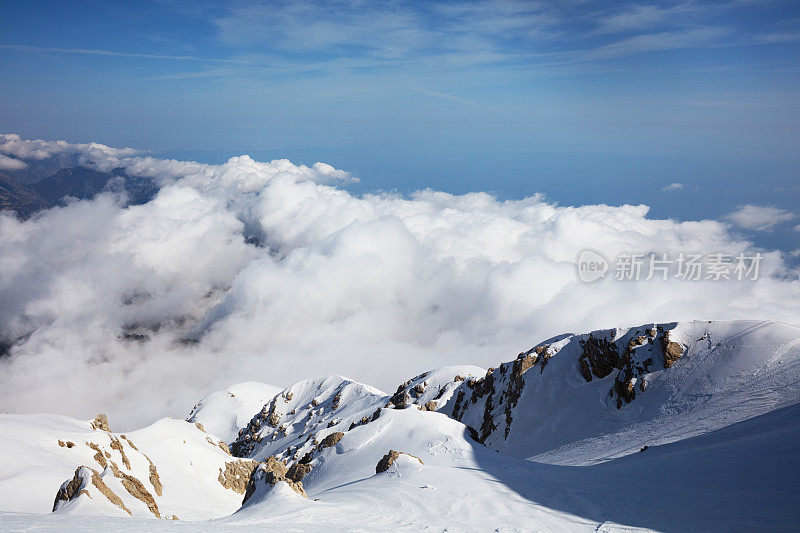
x=26, y=197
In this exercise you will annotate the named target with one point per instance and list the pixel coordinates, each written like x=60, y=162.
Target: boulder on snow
x=388, y=460
x=330, y=440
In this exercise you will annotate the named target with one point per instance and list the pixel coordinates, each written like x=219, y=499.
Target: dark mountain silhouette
x=21, y=198
x=77, y=182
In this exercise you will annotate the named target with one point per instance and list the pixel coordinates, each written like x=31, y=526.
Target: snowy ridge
x=687, y=408
x=170, y=468
x=580, y=399
x=225, y=412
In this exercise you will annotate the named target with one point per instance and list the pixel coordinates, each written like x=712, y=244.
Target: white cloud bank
x=759, y=218
x=378, y=287
x=9, y=163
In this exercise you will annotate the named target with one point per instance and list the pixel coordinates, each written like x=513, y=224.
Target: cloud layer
x=272, y=272
x=759, y=218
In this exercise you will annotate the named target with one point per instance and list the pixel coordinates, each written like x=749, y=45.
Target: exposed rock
x=130, y=443
x=401, y=398
x=672, y=350
x=98, y=482
x=298, y=471
x=272, y=471
x=70, y=489
x=117, y=445
x=586, y=370
x=155, y=480
x=430, y=406
x=77, y=485
x=523, y=363
x=624, y=389
x=100, y=423
x=602, y=356
x=236, y=475
x=336, y=400
x=331, y=440
x=98, y=456
x=137, y=489
x=200, y=426
x=221, y=445
x=388, y=460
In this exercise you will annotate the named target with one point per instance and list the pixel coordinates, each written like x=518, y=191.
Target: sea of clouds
x=274, y=272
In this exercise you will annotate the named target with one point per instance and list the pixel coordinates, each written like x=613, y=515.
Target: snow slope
x=38, y=453
x=670, y=427
x=727, y=372
x=224, y=413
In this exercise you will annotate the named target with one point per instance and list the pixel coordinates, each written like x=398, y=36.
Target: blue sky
x=585, y=102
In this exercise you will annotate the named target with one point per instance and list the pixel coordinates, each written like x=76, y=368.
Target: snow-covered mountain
x=681, y=426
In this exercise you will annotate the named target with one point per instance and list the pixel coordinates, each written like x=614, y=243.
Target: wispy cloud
x=640, y=17
x=653, y=42
x=759, y=218
x=337, y=36
x=777, y=37
x=673, y=187
x=111, y=53
x=445, y=96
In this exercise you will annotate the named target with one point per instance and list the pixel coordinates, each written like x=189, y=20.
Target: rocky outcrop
x=388, y=460
x=137, y=489
x=500, y=386
x=366, y=419
x=298, y=471
x=78, y=485
x=155, y=480
x=117, y=445
x=672, y=350
x=100, y=423
x=600, y=356
x=99, y=456
x=330, y=440
x=237, y=474
x=271, y=472
x=487, y=405
x=98, y=482
x=72, y=488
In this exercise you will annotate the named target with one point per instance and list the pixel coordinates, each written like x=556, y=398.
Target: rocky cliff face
x=622, y=361
x=83, y=183
x=14, y=196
